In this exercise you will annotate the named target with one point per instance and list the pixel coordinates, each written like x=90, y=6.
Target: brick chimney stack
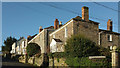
x=56, y=24
x=40, y=29
x=109, y=25
x=85, y=13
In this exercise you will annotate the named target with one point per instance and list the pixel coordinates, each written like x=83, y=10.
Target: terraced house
x=82, y=25
x=19, y=47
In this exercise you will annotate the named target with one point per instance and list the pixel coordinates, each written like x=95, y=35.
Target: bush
x=85, y=61
x=105, y=52
x=33, y=49
x=79, y=46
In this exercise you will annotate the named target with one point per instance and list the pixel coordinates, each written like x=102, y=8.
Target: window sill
x=109, y=41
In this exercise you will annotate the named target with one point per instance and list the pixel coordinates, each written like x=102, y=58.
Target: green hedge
x=85, y=61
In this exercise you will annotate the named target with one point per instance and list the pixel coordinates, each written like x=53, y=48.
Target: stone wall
x=32, y=60
x=36, y=60
x=61, y=33
x=104, y=40
x=59, y=63
x=88, y=29
x=22, y=59
x=39, y=39
x=42, y=39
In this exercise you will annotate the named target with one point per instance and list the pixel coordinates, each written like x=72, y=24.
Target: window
x=53, y=36
x=66, y=31
x=109, y=37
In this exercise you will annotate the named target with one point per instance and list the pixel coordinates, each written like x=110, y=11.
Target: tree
x=80, y=46
x=3, y=48
x=33, y=49
x=8, y=43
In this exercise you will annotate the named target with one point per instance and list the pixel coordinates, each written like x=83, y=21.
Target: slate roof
x=31, y=37
x=109, y=31
x=57, y=40
x=50, y=27
x=78, y=18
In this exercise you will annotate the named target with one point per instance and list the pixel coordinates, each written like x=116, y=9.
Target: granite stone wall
x=87, y=29
x=61, y=33
x=106, y=43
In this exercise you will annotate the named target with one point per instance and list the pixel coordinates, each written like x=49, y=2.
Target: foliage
x=57, y=54
x=57, y=59
x=8, y=44
x=33, y=49
x=50, y=55
x=84, y=61
x=118, y=49
x=105, y=52
x=79, y=46
x=77, y=50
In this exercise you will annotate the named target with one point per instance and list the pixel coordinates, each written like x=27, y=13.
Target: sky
x=24, y=18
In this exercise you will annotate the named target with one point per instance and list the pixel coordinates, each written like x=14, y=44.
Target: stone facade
x=42, y=39
x=89, y=29
x=13, y=51
x=64, y=32
x=17, y=46
x=54, y=62
x=105, y=42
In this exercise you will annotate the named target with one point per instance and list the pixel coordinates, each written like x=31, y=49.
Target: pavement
x=8, y=63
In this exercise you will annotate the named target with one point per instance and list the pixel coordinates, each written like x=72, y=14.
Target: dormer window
x=109, y=38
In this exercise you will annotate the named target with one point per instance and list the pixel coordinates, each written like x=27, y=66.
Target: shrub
x=33, y=49
x=84, y=61
x=58, y=60
x=79, y=46
x=105, y=52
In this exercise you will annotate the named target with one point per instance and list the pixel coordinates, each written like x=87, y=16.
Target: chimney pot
x=40, y=29
x=28, y=36
x=60, y=23
x=85, y=13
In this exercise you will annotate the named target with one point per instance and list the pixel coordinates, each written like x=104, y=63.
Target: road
x=8, y=63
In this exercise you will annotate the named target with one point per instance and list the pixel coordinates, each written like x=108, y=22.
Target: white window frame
x=66, y=31
x=53, y=35
x=110, y=37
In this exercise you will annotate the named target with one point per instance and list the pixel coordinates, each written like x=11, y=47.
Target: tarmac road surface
x=7, y=63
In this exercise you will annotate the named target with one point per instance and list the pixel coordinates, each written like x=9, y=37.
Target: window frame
x=109, y=37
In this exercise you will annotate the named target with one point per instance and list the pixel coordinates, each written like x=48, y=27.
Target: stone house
x=90, y=29
x=17, y=46
x=54, y=46
x=23, y=47
x=13, y=51
x=42, y=38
